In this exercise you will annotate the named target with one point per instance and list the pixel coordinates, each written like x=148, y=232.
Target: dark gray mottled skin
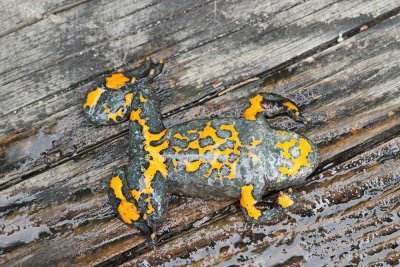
x=223, y=158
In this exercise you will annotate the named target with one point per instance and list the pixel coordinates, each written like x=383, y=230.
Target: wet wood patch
x=337, y=59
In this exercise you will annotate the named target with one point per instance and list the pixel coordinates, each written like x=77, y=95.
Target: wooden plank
x=355, y=221
x=57, y=124
x=16, y=15
x=67, y=202
x=37, y=68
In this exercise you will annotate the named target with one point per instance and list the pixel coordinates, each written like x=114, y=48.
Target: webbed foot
x=137, y=209
x=257, y=212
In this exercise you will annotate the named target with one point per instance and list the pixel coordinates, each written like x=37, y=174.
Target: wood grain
x=18, y=14
x=53, y=206
x=269, y=37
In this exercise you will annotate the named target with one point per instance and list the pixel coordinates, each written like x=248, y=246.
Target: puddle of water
x=22, y=231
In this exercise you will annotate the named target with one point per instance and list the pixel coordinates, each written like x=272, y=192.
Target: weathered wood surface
x=37, y=81
x=53, y=207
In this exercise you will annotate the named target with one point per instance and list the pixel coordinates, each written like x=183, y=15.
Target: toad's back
x=220, y=158
x=215, y=158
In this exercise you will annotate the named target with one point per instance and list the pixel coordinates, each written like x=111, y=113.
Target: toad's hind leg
x=253, y=211
x=148, y=171
x=123, y=202
x=270, y=105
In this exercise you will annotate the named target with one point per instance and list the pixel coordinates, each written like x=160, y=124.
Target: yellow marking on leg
x=290, y=106
x=150, y=208
x=133, y=80
x=248, y=202
x=155, y=160
x=128, y=99
x=255, y=107
x=194, y=165
x=127, y=210
x=114, y=116
x=116, y=81
x=93, y=97
x=301, y=161
x=284, y=200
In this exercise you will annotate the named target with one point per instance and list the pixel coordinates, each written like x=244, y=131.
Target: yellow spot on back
x=248, y=202
x=255, y=107
x=127, y=210
x=281, y=132
x=210, y=132
x=135, y=194
x=93, y=97
x=177, y=149
x=155, y=159
x=285, y=147
x=180, y=136
x=106, y=108
x=116, y=81
x=284, y=200
x=253, y=144
x=175, y=163
x=301, y=161
x=142, y=98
